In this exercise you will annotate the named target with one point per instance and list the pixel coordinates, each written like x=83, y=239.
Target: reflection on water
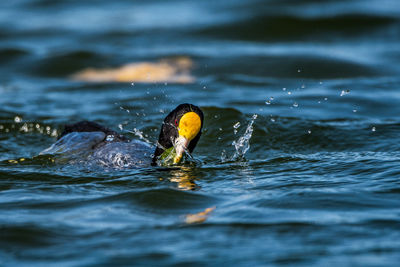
x=316, y=184
x=184, y=177
x=199, y=217
x=174, y=70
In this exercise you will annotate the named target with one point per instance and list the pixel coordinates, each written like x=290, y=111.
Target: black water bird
x=180, y=132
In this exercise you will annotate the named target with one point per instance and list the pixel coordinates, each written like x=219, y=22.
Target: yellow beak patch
x=189, y=125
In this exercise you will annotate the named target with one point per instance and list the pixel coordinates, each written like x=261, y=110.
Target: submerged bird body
x=89, y=141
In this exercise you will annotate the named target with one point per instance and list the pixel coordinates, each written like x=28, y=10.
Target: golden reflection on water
x=175, y=70
x=198, y=217
x=184, y=178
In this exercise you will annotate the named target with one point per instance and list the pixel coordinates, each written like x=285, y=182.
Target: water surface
x=319, y=184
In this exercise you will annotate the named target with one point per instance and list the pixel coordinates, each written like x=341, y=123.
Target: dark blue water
x=319, y=185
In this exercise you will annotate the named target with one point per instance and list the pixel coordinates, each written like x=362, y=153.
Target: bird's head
x=180, y=132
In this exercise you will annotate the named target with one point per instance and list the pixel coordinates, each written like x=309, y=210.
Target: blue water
x=319, y=184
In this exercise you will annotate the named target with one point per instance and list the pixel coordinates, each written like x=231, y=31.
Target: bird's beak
x=181, y=144
x=189, y=127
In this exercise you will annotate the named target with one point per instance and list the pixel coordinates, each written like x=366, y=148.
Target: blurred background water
x=319, y=184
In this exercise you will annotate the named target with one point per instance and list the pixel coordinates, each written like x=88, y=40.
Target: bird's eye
x=176, y=122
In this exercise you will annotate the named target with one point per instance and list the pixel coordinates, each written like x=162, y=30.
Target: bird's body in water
x=87, y=141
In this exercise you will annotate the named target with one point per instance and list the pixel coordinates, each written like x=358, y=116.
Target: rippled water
x=316, y=86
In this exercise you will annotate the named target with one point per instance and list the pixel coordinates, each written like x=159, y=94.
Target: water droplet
x=319, y=102
x=272, y=119
x=303, y=86
x=120, y=127
x=373, y=129
x=295, y=104
x=24, y=128
x=220, y=129
x=309, y=131
x=320, y=82
x=325, y=98
x=17, y=119
x=133, y=84
x=223, y=155
x=344, y=92
x=284, y=89
x=235, y=127
x=110, y=138
x=354, y=110
x=299, y=70
x=289, y=93
x=140, y=134
x=268, y=102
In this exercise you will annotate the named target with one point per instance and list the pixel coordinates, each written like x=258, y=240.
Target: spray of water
x=139, y=134
x=242, y=145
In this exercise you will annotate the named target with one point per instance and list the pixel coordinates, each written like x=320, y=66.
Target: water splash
x=242, y=145
x=139, y=134
x=235, y=127
x=345, y=92
x=224, y=157
x=119, y=160
x=269, y=101
x=26, y=127
x=168, y=156
x=124, y=109
x=110, y=138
